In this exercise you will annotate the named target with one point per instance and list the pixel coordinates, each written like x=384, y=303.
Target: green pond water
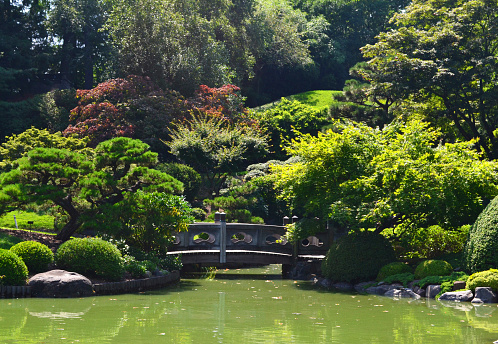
x=244, y=306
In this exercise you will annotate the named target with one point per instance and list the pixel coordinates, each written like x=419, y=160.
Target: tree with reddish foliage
x=132, y=107
x=224, y=102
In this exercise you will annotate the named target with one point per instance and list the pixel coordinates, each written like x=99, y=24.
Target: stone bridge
x=224, y=244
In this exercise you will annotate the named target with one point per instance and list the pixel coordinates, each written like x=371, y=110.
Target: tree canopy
x=443, y=54
x=79, y=182
x=369, y=178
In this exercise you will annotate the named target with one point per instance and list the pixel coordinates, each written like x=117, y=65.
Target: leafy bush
x=187, y=175
x=289, y=117
x=13, y=271
x=455, y=276
x=432, y=242
x=482, y=245
x=135, y=268
x=146, y=220
x=488, y=278
x=394, y=268
x=403, y=278
x=91, y=256
x=433, y=267
x=357, y=257
x=35, y=255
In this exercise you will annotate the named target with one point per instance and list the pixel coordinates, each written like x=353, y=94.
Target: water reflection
x=242, y=306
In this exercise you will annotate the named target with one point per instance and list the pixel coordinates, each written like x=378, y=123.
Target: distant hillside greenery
x=317, y=99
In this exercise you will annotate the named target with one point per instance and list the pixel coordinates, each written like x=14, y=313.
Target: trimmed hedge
x=433, y=267
x=482, y=245
x=35, y=255
x=357, y=257
x=391, y=269
x=488, y=278
x=13, y=271
x=91, y=257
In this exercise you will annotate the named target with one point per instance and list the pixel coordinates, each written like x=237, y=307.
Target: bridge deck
x=240, y=256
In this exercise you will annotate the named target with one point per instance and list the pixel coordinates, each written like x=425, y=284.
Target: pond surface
x=244, y=306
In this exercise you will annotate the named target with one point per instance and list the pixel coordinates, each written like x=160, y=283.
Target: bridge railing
x=248, y=237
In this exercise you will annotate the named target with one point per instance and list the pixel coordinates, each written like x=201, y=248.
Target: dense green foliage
x=394, y=268
x=450, y=278
x=428, y=243
x=93, y=257
x=35, y=255
x=441, y=55
x=145, y=220
x=403, y=278
x=187, y=175
x=284, y=121
x=482, y=245
x=81, y=182
x=488, y=278
x=215, y=147
x=357, y=257
x=13, y=271
x=433, y=267
x=371, y=178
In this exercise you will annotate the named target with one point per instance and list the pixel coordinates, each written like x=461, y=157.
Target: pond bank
x=106, y=288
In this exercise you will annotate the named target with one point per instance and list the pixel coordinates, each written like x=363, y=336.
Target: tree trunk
x=68, y=230
x=88, y=60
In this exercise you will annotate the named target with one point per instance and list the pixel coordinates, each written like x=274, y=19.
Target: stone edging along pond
x=109, y=288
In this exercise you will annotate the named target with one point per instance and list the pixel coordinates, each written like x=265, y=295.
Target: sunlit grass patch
x=45, y=222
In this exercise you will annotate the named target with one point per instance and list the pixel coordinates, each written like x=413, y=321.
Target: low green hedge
x=13, y=271
x=433, y=267
x=488, y=278
x=357, y=257
x=91, y=257
x=37, y=256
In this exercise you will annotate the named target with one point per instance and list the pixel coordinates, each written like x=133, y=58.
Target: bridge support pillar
x=223, y=238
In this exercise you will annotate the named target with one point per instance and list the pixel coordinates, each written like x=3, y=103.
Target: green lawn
x=45, y=222
x=7, y=241
x=318, y=99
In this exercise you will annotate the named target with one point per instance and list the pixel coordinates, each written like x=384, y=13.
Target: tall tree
x=444, y=55
x=81, y=182
x=350, y=24
x=78, y=25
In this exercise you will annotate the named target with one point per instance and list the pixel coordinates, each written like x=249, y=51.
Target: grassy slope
x=39, y=221
x=7, y=241
x=318, y=99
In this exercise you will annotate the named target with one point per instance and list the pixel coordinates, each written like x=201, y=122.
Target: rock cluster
x=481, y=295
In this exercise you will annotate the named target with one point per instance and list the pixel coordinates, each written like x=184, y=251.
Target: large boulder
x=433, y=290
x=60, y=283
x=462, y=296
x=484, y=295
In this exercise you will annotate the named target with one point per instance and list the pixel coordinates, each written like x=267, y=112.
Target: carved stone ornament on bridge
x=276, y=239
x=204, y=237
x=311, y=241
x=241, y=237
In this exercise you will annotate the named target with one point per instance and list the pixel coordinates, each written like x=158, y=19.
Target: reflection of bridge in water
x=224, y=244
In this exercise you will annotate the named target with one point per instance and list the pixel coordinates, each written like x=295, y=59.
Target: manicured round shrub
x=482, y=245
x=433, y=267
x=13, y=271
x=394, y=268
x=357, y=257
x=91, y=257
x=488, y=278
x=36, y=255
